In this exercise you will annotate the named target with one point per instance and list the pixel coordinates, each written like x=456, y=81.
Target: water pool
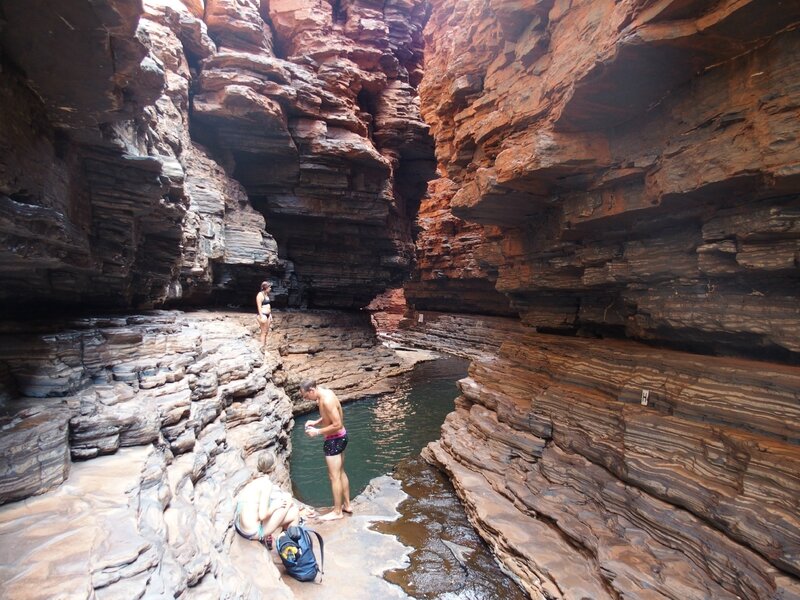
x=382, y=430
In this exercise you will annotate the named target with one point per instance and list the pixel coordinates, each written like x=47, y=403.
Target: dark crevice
x=339, y=12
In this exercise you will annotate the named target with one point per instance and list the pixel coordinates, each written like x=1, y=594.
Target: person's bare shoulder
x=327, y=401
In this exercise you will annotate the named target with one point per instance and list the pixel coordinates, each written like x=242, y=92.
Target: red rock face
x=586, y=485
x=387, y=311
x=455, y=259
x=619, y=169
x=619, y=166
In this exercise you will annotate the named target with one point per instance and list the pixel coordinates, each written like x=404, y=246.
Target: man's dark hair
x=307, y=385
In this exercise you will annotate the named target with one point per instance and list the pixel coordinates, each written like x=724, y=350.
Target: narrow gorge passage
x=596, y=203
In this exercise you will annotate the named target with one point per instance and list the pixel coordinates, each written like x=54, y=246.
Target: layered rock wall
x=340, y=351
x=625, y=167
x=315, y=109
x=73, y=193
x=619, y=170
x=585, y=489
x=171, y=410
x=181, y=152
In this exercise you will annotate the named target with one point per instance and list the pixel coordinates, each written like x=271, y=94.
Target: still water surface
x=382, y=431
x=386, y=436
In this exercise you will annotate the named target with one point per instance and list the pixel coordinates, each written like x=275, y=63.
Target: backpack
x=296, y=550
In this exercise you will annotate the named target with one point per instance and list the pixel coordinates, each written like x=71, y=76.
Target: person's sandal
x=268, y=542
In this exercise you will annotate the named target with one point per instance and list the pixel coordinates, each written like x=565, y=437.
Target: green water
x=382, y=431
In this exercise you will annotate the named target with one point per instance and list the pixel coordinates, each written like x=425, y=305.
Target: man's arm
x=327, y=409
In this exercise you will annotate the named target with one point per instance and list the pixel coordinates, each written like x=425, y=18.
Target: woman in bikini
x=264, y=311
x=262, y=508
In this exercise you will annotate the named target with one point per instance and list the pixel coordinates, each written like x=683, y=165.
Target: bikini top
x=265, y=300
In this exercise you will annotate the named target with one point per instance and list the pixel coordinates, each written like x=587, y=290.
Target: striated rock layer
x=171, y=409
x=340, y=351
x=610, y=170
x=142, y=429
x=315, y=112
x=585, y=490
x=177, y=151
x=617, y=167
x=107, y=201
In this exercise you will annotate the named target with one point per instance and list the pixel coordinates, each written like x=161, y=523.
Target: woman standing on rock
x=264, y=311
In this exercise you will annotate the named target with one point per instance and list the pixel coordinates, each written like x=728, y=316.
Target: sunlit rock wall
x=135, y=433
x=619, y=170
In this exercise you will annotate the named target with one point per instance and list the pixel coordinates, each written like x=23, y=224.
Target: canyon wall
x=619, y=173
x=617, y=167
x=625, y=174
x=176, y=153
x=170, y=152
x=586, y=490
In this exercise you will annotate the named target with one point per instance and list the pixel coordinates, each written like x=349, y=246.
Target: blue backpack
x=296, y=550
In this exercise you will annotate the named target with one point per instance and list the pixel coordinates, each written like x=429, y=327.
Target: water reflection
x=392, y=416
x=449, y=560
x=383, y=431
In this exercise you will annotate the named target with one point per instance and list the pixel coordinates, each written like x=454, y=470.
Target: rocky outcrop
x=85, y=216
x=314, y=104
x=650, y=469
x=460, y=334
x=172, y=409
x=322, y=127
x=387, y=310
x=340, y=351
x=107, y=202
x=131, y=381
x=226, y=250
x=144, y=427
x=617, y=167
x=454, y=260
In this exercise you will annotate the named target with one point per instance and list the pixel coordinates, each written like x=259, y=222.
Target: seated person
x=262, y=508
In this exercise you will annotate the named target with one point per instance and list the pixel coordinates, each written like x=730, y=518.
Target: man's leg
x=335, y=474
x=345, y=488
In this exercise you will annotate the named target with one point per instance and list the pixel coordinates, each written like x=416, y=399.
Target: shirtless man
x=332, y=421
